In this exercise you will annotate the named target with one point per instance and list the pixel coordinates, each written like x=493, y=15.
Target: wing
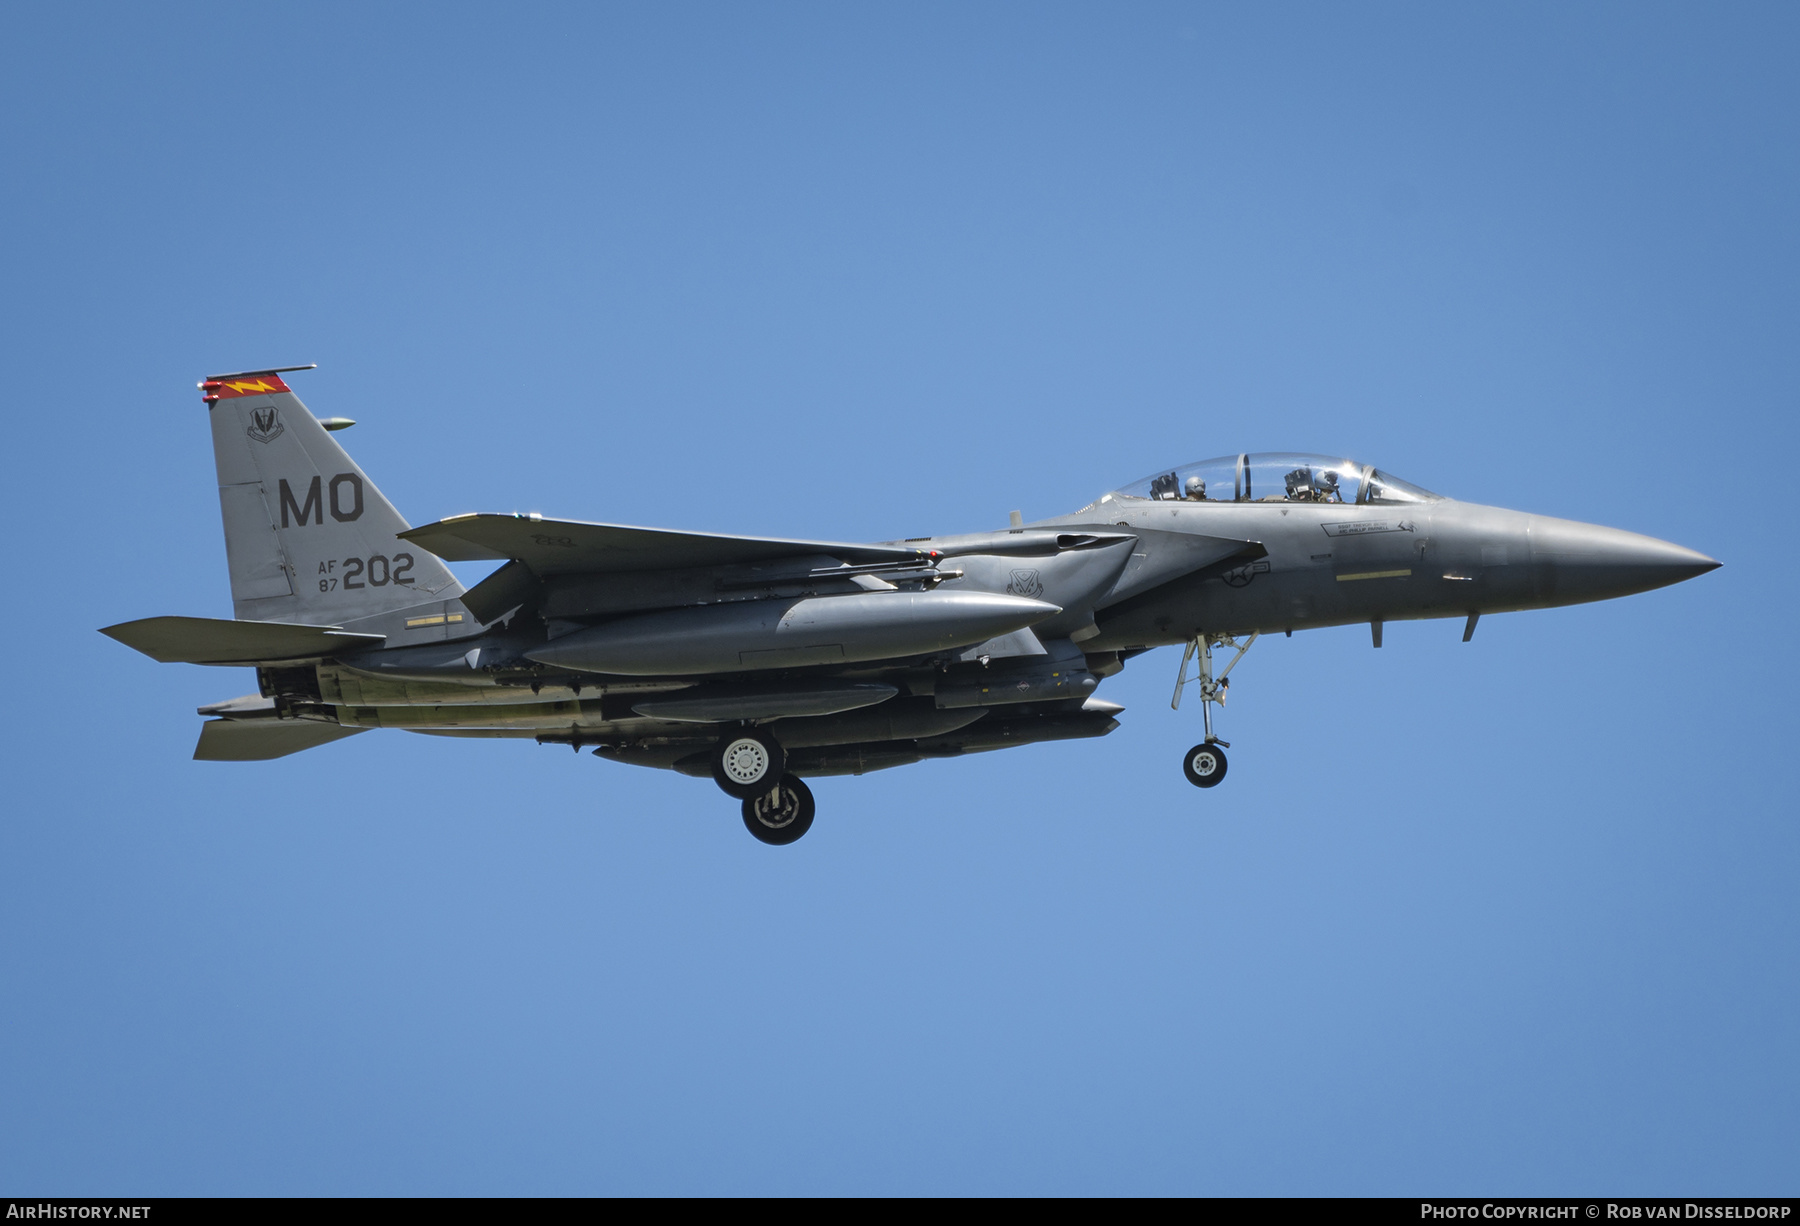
x=567, y=546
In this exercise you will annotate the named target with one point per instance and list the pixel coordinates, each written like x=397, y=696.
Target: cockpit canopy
x=1275, y=476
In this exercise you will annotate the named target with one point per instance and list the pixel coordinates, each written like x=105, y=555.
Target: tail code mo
x=344, y=506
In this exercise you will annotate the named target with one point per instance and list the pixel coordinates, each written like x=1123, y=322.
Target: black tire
x=782, y=814
x=747, y=762
x=1204, y=765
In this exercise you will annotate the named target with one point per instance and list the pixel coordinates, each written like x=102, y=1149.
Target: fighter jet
x=762, y=663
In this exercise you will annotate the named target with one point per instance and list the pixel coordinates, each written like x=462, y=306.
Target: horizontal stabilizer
x=212, y=640
x=258, y=740
x=566, y=547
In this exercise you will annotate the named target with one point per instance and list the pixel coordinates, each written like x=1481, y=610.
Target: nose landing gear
x=1204, y=764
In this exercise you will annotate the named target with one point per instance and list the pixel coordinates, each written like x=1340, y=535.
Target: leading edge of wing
x=568, y=546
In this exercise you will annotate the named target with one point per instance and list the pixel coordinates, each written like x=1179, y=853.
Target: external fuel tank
x=791, y=633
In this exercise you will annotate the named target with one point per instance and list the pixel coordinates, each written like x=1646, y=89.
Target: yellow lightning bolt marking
x=258, y=386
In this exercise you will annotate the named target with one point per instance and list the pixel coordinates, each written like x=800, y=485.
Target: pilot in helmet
x=1196, y=489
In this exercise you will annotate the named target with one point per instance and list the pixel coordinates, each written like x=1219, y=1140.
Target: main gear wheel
x=782, y=814
x=748, y=762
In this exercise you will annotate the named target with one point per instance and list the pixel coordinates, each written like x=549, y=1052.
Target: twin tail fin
x=308, y=537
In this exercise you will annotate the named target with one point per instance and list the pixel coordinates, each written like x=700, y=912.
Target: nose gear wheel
x=1204, y=765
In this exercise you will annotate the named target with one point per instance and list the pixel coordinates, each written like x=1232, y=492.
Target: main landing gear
x=747, y=762
x=751, y=766
x=1204, y=764
x=782, y=814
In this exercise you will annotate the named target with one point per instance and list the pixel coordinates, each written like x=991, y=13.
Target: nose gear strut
x=1204, y=764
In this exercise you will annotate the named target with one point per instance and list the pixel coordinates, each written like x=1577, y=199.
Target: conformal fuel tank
x=812, y=630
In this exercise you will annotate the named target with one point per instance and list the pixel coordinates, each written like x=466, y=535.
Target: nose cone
x=1578, y=562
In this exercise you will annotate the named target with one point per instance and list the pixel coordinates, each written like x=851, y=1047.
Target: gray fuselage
x=1331, y=564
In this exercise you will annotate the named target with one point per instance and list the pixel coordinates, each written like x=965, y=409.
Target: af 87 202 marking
x=374, y=571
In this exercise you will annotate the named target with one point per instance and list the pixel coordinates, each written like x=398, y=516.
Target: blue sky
x=1516, y=916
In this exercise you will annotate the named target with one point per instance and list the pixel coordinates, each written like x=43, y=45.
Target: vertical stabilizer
x=307, y=535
